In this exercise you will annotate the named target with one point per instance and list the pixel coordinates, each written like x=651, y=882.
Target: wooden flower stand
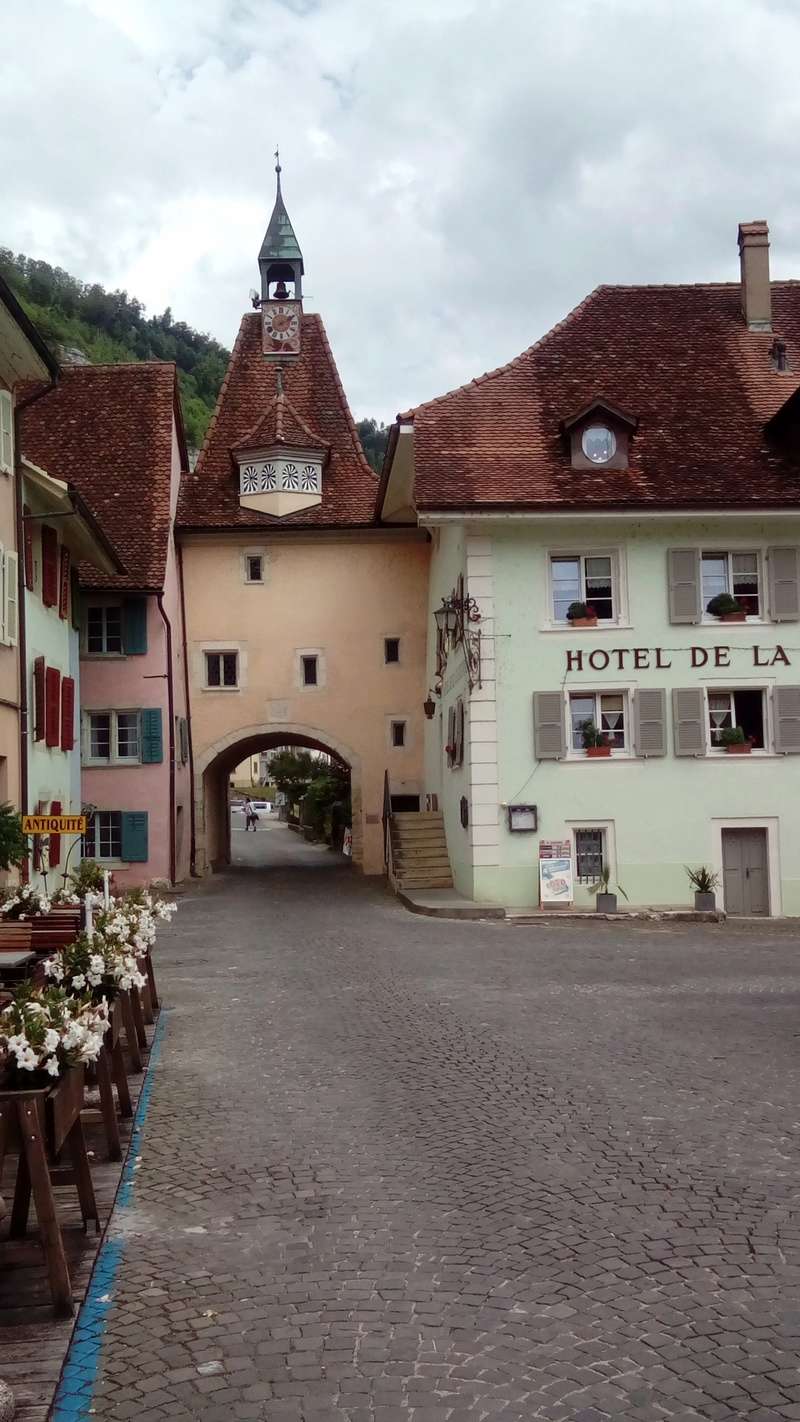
x=37, y=1125
x=109, y=1071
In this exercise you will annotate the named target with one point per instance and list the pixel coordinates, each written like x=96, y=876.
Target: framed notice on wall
x=555, y=872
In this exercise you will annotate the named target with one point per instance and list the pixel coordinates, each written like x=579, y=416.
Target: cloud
x=459, y=174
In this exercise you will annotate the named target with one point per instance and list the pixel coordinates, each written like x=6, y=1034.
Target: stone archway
x=212, y=768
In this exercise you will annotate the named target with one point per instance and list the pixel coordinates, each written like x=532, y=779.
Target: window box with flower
x=596, y=743
x=581, y=614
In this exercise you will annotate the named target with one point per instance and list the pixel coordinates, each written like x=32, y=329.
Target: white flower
x=27, y=1060
x=79, y=980
x=51, y=1040
x=96, y=963
x=51, y=1066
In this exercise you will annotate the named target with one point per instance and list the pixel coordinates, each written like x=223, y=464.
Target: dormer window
x=599, y=444
x=599, y=436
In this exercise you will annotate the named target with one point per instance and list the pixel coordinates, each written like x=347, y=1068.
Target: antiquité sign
x=53, y=824
x=658, y=658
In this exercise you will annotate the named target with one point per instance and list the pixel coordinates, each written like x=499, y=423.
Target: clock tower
x=280, y=263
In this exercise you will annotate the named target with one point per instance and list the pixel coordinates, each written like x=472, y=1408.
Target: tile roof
x=281, y=424
x=249, y=402
x=678, y=359
x=108, y=430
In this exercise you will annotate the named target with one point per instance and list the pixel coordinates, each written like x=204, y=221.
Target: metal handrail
x=386, y=821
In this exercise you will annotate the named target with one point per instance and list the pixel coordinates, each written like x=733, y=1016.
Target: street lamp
x=429, y=706
x=446, y=616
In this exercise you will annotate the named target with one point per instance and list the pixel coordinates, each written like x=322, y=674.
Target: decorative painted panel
x=292, y=475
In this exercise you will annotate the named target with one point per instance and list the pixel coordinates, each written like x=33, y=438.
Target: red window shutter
x=63, y=586
x=27, y=541
x=49, y=566
x=52, y=700
x=38, y=699
x=54, y=848
x=37, y=838
x=67, y=714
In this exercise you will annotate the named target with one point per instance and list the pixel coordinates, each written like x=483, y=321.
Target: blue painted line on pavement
x=76, y=1386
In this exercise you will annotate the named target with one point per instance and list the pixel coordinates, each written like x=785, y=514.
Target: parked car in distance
x=261, y=807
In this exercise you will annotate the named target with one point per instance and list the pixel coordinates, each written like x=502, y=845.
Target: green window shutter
x=134, y=836
x=152, y=740
x=134, y=625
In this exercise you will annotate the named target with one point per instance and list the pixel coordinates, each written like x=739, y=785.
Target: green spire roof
x=280, y=243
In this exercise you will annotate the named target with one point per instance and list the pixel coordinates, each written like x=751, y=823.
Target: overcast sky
x=459, y=172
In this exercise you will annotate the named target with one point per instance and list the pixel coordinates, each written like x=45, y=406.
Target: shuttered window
x=650, y=709
x=6, y=432
x=549, y=739
x=38, y=699
x=103, y=837
x=27, y=541
x=786, y=715
x=134, y=837
x=451, y=736
x=152, y=743
x=104, y=629
x=63, y=583
x=134, y=623
x=783, y=568
x=689, y=720
x=67, y=713
x=458, y=758
x=11, y=598
x=52, y=713
x=54, y=850
x=683, y=575
x=49, y=566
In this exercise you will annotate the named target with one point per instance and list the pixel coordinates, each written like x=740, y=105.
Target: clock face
x=281, y=327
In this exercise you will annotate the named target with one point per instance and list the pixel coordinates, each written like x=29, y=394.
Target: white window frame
x=113, y=758
x=627, y=693
x=103, y=858
x=104, y=603
x=6, y=432
x=221, y=652
x=246, y=556
x=322, y=671
x=707, y=618
x=608, y=830
x=768, y=748
x=619, y=586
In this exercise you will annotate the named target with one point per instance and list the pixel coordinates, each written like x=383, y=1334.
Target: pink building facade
x=134, y=735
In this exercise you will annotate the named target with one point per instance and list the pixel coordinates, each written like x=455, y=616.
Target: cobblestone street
x=405, y=1170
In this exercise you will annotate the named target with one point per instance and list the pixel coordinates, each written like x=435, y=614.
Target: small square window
x=104, y=630
x=391, y=649
x=100, y=735
x=254, y=568
x=103, y=837
x=128, y=735
x=398, y=733
x=222, y=669
x=309, y=671
x=584, y=578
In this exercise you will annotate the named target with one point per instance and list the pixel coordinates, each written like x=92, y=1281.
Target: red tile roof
x=107, y=429
x=281, y=425
x=678, y=359
x=314, y=410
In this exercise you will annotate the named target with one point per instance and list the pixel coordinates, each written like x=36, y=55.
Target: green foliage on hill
x=373, y=438
x=111, y=327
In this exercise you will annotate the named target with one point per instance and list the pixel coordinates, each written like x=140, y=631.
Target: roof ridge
x=198, y=466
x=509, y=365
x=360, y=455
x=70, y=368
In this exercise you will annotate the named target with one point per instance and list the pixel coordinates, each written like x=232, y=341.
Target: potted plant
x=726, y=608
x=595, y=742
x=23, y=902
x=704, y=882
x=581, y=614
x=735, y=741
x=605, y=900
x=45, y=1031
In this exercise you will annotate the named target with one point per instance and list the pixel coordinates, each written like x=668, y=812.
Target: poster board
x=555, y=872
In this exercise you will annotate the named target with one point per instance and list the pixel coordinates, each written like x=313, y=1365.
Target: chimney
x=754, y=257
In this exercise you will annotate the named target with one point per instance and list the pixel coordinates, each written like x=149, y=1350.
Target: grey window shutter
x=689, y=720
x=783, y=566
x=451, y=736
x=549, y=740
x=786, y=705
x=683, y=574
x=459, y=732
x=650, y=722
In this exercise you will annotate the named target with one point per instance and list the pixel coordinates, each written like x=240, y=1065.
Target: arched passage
x=213, y=767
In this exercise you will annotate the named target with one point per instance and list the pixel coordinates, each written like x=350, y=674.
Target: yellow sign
x=53, y=824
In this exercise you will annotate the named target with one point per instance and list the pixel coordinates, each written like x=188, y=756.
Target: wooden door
x=744, y=871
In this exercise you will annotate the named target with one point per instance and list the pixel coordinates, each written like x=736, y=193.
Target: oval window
x=598, y=444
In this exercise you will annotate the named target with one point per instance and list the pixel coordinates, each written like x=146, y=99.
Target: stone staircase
x=419, y=851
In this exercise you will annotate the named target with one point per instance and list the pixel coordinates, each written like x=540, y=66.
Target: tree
x=374, y=438
x=13, y=843
x=292, y=771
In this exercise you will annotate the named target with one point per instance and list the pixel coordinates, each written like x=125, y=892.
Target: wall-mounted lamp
x=454, y=619
x=522, y=819
x=429, y=707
